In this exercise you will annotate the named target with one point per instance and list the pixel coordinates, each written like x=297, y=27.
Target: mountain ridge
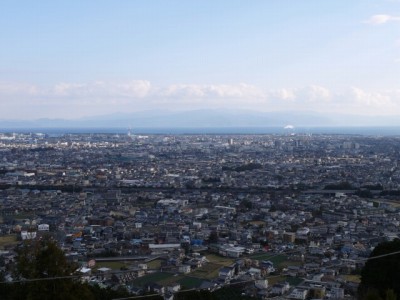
x=208, y=118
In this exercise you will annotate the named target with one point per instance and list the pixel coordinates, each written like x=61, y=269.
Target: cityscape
x=200, y=150
x=285, y=216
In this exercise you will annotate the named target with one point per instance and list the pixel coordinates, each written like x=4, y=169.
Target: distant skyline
x=70, y=59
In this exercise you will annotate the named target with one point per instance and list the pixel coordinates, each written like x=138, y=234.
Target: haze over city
x=191, y=150
x=77, y=59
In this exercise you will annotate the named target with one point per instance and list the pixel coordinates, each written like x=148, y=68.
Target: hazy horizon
x=75, y=59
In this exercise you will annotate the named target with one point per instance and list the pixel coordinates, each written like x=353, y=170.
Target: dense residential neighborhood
x=285, y=216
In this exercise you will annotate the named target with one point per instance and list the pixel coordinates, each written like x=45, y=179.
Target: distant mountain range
x=207, y=118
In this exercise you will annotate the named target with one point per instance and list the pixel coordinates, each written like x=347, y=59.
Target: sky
x=73, y=59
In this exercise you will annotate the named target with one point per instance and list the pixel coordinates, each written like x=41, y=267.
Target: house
x=298, y=293
x=104, y=273
x=318, y=291
x=268, y=266
x=261, y=284
x=207, y=285
x=136, y=290
x=139, y=272
x=86, y=272
x=184, y=269
x=169, y=296
x=254, y=272
x=280, y=288
x=293, y=270
x=226, y=273
x=174, y=287
x=155, y=288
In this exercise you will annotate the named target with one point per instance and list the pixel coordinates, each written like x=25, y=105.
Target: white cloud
x=68, y=89
x=133, y=89
x=312, y=93
x=353, y=100
x=239, y=91
x=68, y=100
x=382, y=19
x=315, y=93
x=283, y=94
x=381, y=102
x=18, y=89
x=363, y=97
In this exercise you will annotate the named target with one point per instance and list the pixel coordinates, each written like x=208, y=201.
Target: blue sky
x=68, y=59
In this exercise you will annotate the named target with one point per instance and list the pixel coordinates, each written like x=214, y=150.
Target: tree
x=382, y=273
x=213, y=238
x=390, y=295
x=43, y=272
x=42, y=269
x=194, y=295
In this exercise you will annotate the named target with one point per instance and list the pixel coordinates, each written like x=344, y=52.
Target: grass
x=8, y=240
x=352, y=278
x=294, y=281
x=190, y=282
x=211, y=269
x=153, y=277
x=208, y=271
x=172, y=279
x=230, y=293
x=276, y=259
x=154, y=264
x=276, y=279
x=114, y=265
x=392, y=203
x=257, y=223
x=223, y=261
x=23, y=215
x=280, y=261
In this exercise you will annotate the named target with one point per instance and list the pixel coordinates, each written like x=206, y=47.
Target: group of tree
x=380, y=277
x=242, y=168
x=43, y=272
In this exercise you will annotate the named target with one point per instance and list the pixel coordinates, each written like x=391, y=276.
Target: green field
x=154, y=264
x=23, y=215
x=8, y=240
x=223, y=261
x=352, y=278
x=172, y=279
x=276, y=279
x=186, y=282
x=190, y=282
x=275, y=258
x=208, y=271
x=159, y=277
x=230, y=293
x=294, y=281
x=114, y=265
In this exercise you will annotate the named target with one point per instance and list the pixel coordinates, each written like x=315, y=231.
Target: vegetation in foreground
x=42, y=272
x=380, y=276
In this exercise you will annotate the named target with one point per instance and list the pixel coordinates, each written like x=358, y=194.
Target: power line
x=379, y=256
x=129, y=271
x=197, y=289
